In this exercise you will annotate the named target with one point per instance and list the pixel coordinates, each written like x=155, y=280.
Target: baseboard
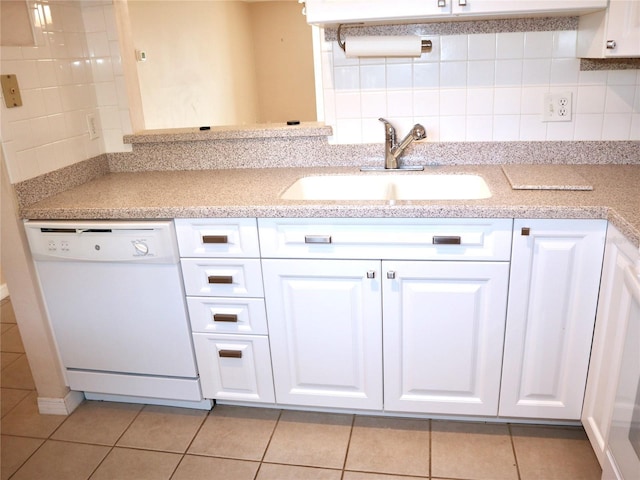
x=4, y=291
x=60, y=406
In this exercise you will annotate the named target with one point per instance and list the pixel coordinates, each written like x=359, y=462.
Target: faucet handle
x=387, y=124
x=419, y=132
x=389, y=130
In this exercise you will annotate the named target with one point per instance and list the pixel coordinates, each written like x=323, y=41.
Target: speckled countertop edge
x=267, y=130
x=256, y=193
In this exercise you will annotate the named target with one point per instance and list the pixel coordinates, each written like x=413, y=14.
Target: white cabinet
x=614, y=32
x=443, y=333
x=608, y=341
x=322, y=12
x=325, y=329
x=555, y=276
x=223, y=281
x=443, y=320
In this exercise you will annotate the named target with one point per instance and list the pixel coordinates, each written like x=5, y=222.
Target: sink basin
x=388, y=187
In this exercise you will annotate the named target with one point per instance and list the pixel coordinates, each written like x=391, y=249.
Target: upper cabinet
x=332, y=12
x=611, y=33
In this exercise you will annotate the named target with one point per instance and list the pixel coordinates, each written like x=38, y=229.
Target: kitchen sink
x=388, y=187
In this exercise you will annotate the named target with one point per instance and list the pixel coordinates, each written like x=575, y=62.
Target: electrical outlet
x=557, y=107
x=92, y=125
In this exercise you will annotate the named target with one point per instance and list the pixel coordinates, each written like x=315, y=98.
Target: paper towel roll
x=383, y=46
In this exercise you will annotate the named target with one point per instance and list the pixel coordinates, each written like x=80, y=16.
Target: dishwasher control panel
x=149, y=242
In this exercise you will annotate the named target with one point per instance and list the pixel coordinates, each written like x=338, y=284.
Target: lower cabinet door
x=555, y=277
x=234, y=367
x=443, y=336
x=325, y=330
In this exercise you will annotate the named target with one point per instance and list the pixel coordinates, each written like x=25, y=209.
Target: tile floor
x=107, y=441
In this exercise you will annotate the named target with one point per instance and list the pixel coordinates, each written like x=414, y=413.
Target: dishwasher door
x=119, y=317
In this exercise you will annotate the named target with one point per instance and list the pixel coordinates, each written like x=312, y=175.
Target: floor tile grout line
x=44, y=440
x=266, y=448
x=513, y=448
x=346, y=453
x=204, y=420
x=21, y=400
x=4, y=367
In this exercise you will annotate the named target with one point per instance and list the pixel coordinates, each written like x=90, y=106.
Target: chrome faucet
x=393, y=150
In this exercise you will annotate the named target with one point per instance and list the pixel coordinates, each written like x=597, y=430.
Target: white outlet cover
x=93, y=126
x=557, y=107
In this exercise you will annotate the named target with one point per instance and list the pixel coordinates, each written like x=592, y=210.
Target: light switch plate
x=11, y=91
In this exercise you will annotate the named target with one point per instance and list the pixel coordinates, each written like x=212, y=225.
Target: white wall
x=74, y=70
x=479, y=87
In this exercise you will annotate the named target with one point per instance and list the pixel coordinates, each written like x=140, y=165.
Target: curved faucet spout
x=393, y=150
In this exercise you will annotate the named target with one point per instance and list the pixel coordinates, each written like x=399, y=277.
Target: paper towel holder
x=426, y=45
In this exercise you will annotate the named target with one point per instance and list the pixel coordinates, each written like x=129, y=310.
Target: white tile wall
x=74, y=70
x=479, y=87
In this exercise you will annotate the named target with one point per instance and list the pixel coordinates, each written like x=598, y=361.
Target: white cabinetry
x=614, y=32
x=443, y=320
x=608, y=341
x=443, y=334
x=555, y=275
x=349, y=11
x=223, y=280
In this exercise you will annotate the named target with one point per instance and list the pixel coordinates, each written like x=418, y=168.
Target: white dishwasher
x=116, y=304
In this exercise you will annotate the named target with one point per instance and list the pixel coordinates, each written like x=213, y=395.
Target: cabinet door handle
x=525, y=232
x=442, y=3
x=371, y=274
x=215, y=239
x=391, y=275
x=220, y=279
x=611, y=44
x=317, y=239
x=225, y=317
x=230, y=353
x=446, y=240
x=462, y=3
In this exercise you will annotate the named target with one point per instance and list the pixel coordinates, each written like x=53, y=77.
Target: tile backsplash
x=479, y=87
x=74, y=70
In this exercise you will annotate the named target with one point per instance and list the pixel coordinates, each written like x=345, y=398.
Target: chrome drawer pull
x=446, y=240
x=215, y=239
x=225, y=317
x=317, y=239
x=230, y=353
x=220, y=279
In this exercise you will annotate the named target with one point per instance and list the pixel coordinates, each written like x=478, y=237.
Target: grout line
x=346, y=453
x=44, y=440
x=513, y=448
x=186, y=450
x=261, y=461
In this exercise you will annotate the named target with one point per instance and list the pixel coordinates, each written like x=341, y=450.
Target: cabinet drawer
x=227, y=315
x=222, y=277
x=218, y=237
x=234, y=367
x=395, y=238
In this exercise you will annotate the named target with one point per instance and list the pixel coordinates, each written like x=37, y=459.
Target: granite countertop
x=255, y=192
